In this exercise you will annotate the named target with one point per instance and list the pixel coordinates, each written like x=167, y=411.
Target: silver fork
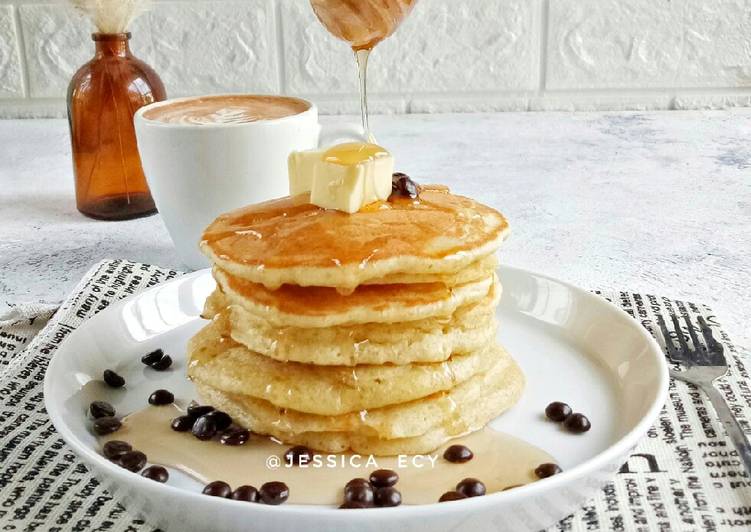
x=703, y=365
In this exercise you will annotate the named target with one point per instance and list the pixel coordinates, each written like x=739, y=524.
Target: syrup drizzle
x=500, y=461
x=361, y=58
x=291, y=232
x=353, y=153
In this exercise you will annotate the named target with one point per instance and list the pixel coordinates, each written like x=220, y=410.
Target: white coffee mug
x=198, y=171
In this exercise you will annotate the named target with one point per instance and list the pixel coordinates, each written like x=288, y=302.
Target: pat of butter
x=344, y=177
x=301, y=166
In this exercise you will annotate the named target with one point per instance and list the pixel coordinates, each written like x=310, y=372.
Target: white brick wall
x=450, y=55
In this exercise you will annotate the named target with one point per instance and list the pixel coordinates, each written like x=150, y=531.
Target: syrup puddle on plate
x=500, y=461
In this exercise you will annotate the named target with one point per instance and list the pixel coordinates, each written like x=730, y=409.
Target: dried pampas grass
x=111, y=16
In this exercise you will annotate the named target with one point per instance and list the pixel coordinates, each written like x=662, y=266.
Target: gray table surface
x=656, y=202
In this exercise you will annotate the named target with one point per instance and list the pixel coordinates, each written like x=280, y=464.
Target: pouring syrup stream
x=362, y=24
x=361, y=57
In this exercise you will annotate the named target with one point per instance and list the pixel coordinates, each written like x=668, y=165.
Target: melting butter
x=344, y=177
x=500, y=461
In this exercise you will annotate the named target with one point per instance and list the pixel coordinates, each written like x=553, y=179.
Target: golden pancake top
x=289, y=240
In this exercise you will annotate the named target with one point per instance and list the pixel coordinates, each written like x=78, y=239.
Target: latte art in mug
x=226, y=110
x=204, y=155
x=225, y=115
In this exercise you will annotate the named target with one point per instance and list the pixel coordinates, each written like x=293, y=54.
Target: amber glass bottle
x=102, y=98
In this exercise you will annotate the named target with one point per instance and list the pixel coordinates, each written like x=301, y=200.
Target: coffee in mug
x=231, y=109
x=207, y=155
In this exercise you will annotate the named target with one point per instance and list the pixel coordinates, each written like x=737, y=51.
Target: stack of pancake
x=372, y=332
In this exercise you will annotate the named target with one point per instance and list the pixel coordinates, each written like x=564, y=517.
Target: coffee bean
x=357, y=482
x=471, y=487
x=221, y=420
x=547, y=470
x=387, y=497
x=234, y=436
x=204, y=428
x=162, y=364
x=245, y=493
x=132, y=461
x=101, y=409
x=161, y=397
x=152, y=357
x=217, y=489
x=452, y=496
x=557, y=411
x=113, y=379
x=156, y=472
x=359, y=492
x=106, y=425
x=383, y=478
x=299, y=454
x=274, y=493
x=577, y=423
x=347, y=505
x=182, y=423
x=115, y=448
x=402, y=185
x=458, y=454
x=196, y=410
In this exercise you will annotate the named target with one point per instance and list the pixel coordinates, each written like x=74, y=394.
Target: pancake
x=372, y=332
x=429, y=340
x=316, y=306
x=215, y=359
x=403, y=420
x=498, y=391
x=479, y=269
x=291, y=241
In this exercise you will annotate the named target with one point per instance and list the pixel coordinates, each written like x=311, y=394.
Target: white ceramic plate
x=573, y=346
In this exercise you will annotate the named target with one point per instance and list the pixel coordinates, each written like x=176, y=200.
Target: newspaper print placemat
x=684, y=475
